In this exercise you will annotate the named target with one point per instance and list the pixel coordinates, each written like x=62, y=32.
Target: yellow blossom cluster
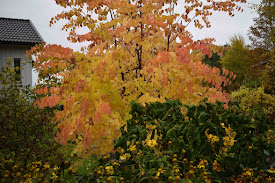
x=133, y=148
x=125, y=156
x=211, y=138
x=228, y=140
x=152, y=143
x=109, y=170
x=217, y=166
x=270, y=136
x=203, y=164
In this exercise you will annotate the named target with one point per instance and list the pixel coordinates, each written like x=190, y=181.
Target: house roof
x=18, y=31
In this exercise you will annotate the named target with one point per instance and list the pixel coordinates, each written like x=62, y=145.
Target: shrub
x=38, y=172
x=207, y=144
x=26, y=133
x=254, y=99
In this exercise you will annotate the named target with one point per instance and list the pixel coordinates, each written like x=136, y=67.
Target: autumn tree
x=139, y=50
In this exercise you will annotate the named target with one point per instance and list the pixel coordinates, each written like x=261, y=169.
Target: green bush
x=254, y=99
x=38, y=172
x=207, y=144
x=26, y=132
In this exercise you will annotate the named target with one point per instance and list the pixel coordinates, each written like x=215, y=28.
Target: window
x=17, y=66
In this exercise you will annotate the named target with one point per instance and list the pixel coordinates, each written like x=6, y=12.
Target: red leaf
x=106, y=108
x=97, y=117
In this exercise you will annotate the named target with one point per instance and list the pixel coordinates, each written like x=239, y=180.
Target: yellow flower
x=217, y=166
x=133, y=148
x=55, y=168
x=228, y=141
x=54, y=176
x=126, y=156
x=116, y=164
x=28, y=180
x=249, y=173
x=15, y=167
x=160, y=171
x=18, y=174
x=152, y=143
x=47, y=166
x=109, y=170
x=212, y=138
x=39, y=162
x=271, y=170
x=201, y=166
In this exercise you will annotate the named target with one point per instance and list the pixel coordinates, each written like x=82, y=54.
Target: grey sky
x=41, y=11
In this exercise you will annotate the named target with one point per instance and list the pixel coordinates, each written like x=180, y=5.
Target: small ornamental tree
x=139, y=50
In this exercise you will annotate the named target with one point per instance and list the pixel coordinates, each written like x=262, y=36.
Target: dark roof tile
x=18, y=31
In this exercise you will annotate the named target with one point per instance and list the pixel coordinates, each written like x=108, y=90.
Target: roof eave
x=42, y=40
x=18, y=43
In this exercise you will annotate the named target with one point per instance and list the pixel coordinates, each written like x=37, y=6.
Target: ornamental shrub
x=208, y=143
x=26, y=133
x=254, y=99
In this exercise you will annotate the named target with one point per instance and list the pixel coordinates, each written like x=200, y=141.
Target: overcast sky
x=41, y=11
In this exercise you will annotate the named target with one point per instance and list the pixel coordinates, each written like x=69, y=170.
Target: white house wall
x=17, y=51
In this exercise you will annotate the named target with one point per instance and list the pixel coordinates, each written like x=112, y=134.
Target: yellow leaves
x=228, y=140
x=253, y=98
x=147, y=98
x=170, y=19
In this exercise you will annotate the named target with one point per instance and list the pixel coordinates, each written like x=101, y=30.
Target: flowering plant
x=208, y=143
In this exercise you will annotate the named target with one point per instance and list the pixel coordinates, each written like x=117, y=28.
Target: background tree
x=237, y=60
x=213, y=61
x=133, y=55
x=245, y=62
x=262, y=35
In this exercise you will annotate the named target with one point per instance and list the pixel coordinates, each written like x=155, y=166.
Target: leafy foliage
x=37, y=172
x=246, y=63
x=26, y=133
x=262, y=35
x=133, y=55
x=254, y=100
x=236, y=59
x=210, y=143
x=262, y=32
x=213, y=61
